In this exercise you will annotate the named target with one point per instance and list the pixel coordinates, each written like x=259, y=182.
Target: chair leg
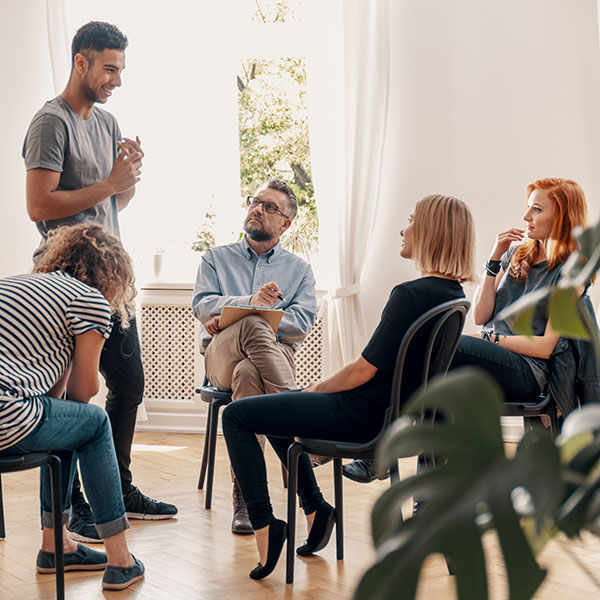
x=2, y=527
x=205, y=451
x=294, y=452
x=55, y=476
x=339, y=507
x=284, y=476
x=212, y=451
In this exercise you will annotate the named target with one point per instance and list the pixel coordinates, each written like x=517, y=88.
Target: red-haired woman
x=520, y=363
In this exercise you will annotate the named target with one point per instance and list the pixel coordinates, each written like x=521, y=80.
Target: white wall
x=26, y=84
x=486, y=96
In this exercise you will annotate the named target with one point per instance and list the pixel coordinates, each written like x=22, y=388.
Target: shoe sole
x=82, y=538
x=242, y=531
x=147, y=517
x=121, y=586
x=98, y=567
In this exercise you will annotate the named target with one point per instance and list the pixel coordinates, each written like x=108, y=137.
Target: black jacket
x=574, y=370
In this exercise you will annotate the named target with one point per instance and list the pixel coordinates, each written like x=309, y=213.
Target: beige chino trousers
x=247, y=359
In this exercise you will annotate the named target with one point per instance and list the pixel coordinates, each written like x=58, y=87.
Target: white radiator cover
x=174, y=368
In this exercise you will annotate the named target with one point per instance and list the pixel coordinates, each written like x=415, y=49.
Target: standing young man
x=79, y=169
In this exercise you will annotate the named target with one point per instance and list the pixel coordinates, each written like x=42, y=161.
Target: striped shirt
x=40, y=315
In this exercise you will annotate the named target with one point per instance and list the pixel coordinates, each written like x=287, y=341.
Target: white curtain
x=349, y=123
x=58, y=43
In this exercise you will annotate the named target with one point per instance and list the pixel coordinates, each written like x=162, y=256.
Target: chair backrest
x=445, y=323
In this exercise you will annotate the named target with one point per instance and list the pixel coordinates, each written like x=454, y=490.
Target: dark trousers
x=121, y=367
x=510, y=370
x=281, y=417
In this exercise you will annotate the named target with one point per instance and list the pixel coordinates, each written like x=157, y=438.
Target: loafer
x=277, y=536
x=84, y=559
x=118, y=578
x=320, y=532
x=363, y=471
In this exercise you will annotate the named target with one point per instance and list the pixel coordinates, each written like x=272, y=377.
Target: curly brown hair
x=95, y=256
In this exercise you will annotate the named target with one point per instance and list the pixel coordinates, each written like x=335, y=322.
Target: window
x=217, y=92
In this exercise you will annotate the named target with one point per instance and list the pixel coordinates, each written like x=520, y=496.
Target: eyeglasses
x=268, y=207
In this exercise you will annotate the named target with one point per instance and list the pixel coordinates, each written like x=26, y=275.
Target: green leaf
x=474, y=479
x=564, y=314
x=580, y=451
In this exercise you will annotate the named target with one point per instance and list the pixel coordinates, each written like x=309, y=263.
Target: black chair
x=445, y=323
x=533, y=411
x=23, y=462
x=215, y=399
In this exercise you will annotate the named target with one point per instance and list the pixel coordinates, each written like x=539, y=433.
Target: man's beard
x=88, y=92
x=258, y=234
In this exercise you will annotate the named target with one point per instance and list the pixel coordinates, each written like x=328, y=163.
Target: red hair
x=570, y=211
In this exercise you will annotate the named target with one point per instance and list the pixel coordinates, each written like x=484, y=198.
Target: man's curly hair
x=95, y=256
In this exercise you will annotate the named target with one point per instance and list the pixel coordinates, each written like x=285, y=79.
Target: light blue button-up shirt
x=232, y=274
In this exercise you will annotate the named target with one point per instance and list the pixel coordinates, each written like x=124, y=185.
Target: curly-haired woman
x=53, y=323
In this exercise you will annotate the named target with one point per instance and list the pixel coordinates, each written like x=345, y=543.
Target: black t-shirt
x=407, y=302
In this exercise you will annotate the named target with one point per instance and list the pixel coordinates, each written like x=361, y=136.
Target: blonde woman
x=53, y=324
x=350, y=405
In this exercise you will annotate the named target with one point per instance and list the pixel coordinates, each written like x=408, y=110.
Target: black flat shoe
x=320, y=532
x=277, y=535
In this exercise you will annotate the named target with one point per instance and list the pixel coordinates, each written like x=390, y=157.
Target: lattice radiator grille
x=309, y=359
x=168, y=347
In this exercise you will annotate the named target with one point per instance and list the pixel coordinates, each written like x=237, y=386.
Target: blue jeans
x=77, y=431
x=281, y=417
x=510, y=370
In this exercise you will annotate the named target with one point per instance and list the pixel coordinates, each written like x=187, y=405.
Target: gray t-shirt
x=511, y=290
x=81, y=150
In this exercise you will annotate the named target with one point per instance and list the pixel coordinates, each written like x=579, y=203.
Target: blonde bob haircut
x=92, y=254
x=444, y=237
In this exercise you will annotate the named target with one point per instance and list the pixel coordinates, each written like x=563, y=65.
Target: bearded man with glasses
x=247, y=357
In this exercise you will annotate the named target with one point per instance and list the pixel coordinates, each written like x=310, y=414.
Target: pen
x=279, y=294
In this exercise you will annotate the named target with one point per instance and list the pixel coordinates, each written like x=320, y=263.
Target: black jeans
x=281, y=417
x=510, y=370
x=121, y=367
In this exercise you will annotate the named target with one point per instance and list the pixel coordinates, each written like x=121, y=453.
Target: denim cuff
x=111, y=528
x=48, y=519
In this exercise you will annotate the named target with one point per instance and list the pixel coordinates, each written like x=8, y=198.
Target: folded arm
x=83, y=379
x=351, y=376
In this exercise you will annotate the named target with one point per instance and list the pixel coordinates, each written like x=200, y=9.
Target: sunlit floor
x=196, y=555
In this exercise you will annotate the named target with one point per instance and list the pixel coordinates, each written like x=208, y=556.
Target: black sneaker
x=363, y=470
x=81, y=526
x=139, y=506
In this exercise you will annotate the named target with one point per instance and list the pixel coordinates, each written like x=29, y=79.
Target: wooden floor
x=196, y=556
